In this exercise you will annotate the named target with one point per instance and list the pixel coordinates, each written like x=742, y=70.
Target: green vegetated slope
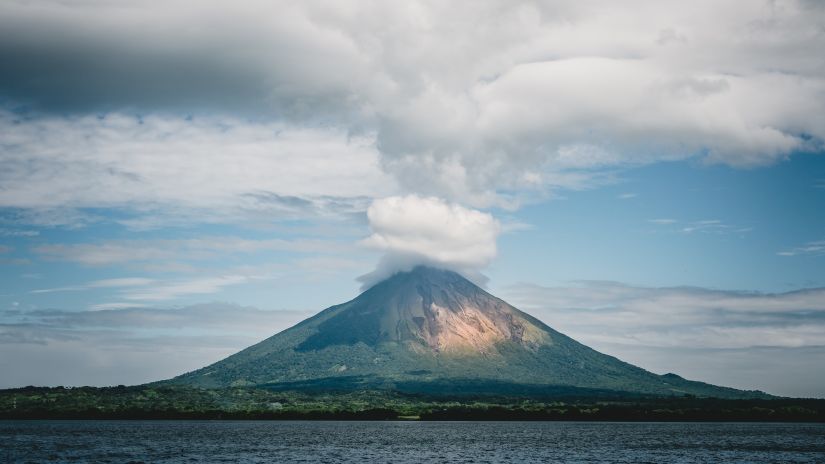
x=432, y=331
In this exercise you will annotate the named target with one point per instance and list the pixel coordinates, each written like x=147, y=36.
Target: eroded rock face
x=467, y=329
x=473, y=325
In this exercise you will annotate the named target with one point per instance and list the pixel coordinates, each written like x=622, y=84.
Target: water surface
x=405, y=442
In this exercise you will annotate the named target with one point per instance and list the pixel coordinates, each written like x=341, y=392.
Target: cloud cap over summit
x=414, y=230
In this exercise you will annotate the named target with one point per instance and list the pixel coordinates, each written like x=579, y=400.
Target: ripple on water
x=406, y=442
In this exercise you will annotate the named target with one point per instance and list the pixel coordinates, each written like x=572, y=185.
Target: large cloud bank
x=415, y=230
x=483, y=103
x=206, y=166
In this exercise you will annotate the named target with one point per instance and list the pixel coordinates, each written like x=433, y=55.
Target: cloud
x=115, y=252
x=708, y=225
x=120, y=305
x=67, y=217
x=18, y=233
x=705, y=226
x=683, y=316
x=170, y=290
x=69, y=288
x=121, y=282
x=674, y=329
x=143, y=289
x=815, y=248
x=175, y=268
x=482, y=103
x=413, y=230
x=218, y=168
x=127, y=345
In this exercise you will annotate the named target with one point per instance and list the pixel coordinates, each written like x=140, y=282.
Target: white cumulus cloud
x=414, y=230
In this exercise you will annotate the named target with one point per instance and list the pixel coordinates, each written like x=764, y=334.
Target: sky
x=180, y=181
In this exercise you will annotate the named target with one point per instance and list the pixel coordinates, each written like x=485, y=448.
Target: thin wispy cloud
x=73, y=288
x=18, y=233
x=121, y=282
x=815, y=248
x=705, y=226
x=127, y=251
x=105, y=283
x=171, y=290
x=708, y=225
x=138, y=289
x=120, y=305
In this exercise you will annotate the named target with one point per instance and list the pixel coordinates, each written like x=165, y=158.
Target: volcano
x=433, y=331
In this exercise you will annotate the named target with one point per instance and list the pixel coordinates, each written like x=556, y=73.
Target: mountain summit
x=431, y=330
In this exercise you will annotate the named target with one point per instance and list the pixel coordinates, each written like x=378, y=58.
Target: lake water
x=404, y=442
